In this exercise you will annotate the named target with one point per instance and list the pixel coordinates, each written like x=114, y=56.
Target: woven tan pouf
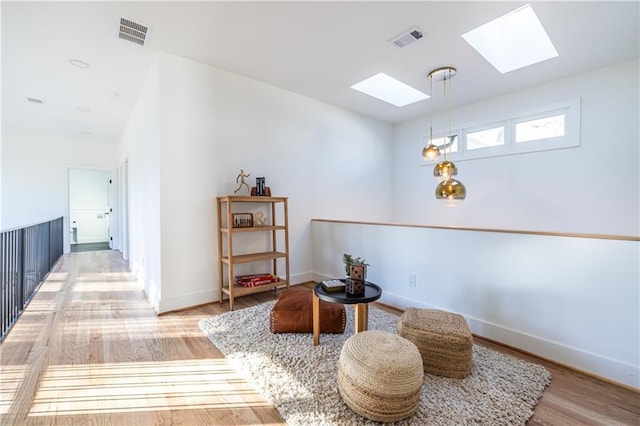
x=380, y=375
x=443, y=338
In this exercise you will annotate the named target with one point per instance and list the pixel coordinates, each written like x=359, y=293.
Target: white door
x=89, y=214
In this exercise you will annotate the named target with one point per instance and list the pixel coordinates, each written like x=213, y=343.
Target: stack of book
x=333, y=285
x=255, y=280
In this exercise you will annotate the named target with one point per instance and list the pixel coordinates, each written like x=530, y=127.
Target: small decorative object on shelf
x=259, y=219
x=242, y=220
x=240, y=179
x=267, y=191
x=260, y=186
x=333, y=285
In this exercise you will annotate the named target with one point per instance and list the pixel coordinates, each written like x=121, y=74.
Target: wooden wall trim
x=502, y=231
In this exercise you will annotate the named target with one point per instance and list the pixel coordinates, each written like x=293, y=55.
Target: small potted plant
x=356, y=270
x=350, y=260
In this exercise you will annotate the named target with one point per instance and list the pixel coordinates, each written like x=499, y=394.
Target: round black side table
x=372, y=292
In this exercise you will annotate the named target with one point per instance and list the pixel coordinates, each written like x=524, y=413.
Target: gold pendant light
x=444, y=170
x=430, y=152
x=449, y=189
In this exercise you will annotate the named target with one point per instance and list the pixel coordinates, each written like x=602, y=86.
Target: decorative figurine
x=240, y=180
x=259, y=219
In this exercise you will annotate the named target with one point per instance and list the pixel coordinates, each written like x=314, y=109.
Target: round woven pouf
x=380, y=375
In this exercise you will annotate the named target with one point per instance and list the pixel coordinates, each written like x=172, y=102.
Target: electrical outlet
x=412, y=280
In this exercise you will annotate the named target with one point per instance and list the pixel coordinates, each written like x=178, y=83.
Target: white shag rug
x=300, y=379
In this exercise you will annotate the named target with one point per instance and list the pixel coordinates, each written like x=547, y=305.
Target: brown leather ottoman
x=292, y=313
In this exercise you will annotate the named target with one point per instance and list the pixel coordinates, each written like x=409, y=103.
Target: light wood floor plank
x=90, y=350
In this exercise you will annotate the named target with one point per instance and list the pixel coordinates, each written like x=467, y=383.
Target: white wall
x=35, y=177
x=573, y=300
x=212, y=123
x=591, y=189
x=140, y=149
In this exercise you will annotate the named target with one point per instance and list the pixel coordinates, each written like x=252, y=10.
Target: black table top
x=372, y=292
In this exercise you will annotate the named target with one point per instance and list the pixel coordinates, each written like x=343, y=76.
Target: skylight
x=512, y=41
x=390, y=90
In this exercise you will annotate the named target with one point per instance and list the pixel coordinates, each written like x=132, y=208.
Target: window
x=440, y=142
x=485, y=138
x=543, y=128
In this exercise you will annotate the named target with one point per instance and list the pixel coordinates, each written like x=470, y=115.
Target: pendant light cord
x=430, y=109
x=449, y=110
x=444, y=114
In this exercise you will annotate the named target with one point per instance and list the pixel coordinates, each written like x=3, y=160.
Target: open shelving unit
x=228, y=258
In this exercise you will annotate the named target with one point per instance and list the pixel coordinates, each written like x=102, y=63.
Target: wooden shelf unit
x=228, y=259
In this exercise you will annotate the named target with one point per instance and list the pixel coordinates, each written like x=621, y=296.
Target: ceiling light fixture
x=78, y=63
x=449, y=190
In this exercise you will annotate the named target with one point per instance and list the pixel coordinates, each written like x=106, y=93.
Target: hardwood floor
x=90, y=350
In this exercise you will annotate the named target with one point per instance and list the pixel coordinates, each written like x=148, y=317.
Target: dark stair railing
x=27, y=255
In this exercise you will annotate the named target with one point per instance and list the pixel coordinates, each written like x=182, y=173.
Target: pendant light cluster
x=449, y=190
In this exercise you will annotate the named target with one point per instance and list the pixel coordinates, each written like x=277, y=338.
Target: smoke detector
x=407, y=37
x=132, y=31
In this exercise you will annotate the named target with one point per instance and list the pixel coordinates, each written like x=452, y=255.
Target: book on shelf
x=260, y=186
x=333, y=285
x=255, y=280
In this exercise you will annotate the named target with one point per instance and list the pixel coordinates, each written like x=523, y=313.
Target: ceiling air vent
x=132, y=31
x=407, y=37
x=35, y=100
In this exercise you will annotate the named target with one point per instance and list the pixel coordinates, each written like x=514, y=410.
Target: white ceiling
x=317, y=49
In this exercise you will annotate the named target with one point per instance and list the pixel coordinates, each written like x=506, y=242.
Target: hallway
x=89, y=349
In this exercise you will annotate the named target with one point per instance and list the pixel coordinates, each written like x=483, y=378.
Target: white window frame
x=571, y=139
x=488, y=151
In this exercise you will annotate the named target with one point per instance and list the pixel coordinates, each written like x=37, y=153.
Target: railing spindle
x=27, y=255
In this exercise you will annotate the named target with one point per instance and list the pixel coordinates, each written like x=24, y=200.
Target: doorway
x=89, y=212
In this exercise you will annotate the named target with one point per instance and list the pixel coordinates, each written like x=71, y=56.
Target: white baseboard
x=187, y=301
x=317, y=277
x=607, y=368
x=300, y=278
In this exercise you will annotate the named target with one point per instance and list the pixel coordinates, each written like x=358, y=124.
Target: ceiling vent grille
x=132, y=31
x=407, y=37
